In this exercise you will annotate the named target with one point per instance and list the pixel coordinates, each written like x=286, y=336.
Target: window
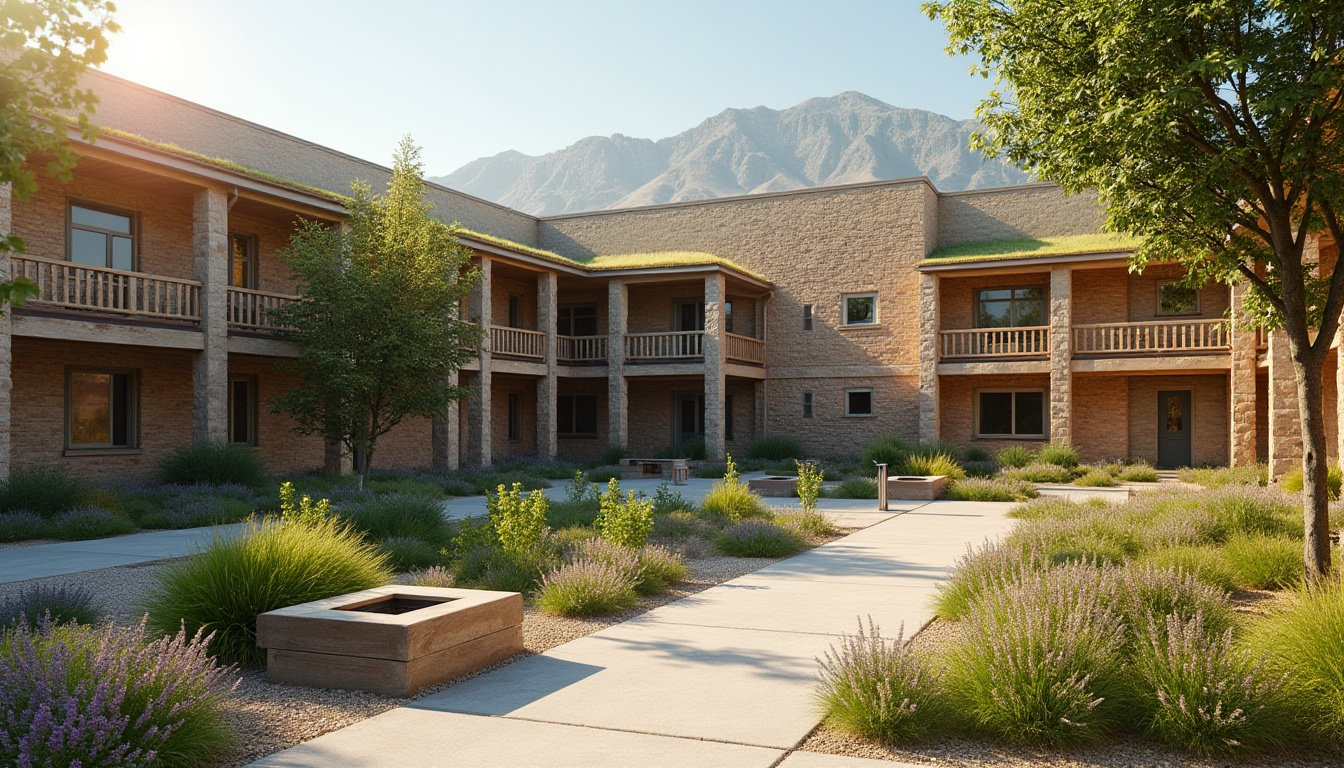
x=727, y=417
x=515, y=311
x=576, y=415
x=1175, y=298
x=1010, y=307
x=690, y=316
x=243, y=261
x=1006, y=413
x=807, y=317
x=860, y=309
x=727, y=317
x=243, y=410
x=577, y=321
x=100, y=408
x=101, y=238
x=807, y=405
x=515, y=416
x=858, y=402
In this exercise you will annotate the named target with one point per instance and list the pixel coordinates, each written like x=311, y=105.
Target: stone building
x=829, y=315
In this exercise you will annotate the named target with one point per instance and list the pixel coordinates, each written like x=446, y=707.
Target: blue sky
x=469, y=79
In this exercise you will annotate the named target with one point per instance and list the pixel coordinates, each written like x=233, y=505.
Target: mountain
x=838, y=140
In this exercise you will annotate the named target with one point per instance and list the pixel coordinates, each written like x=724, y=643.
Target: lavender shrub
x=585, y=587
x=879, y=689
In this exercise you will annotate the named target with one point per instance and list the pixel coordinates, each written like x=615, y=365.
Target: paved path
x=724, y=677
x=20, y=563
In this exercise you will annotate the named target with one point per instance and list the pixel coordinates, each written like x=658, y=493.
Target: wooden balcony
x=1032, y=341
x=679, y=345
x=744, y=349
x=250, y=309
x=517, y=342
x=96, y=289
x=581, y=349
x=1192, y=336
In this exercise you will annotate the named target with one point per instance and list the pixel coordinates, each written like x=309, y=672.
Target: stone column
x=479, y=450
x=1285, y=431
x=929, y=413
x=547, y=443
x=1061, y=355
x=618, y=417
x=715, y=381
x=444, y=431
x=1241, y=385
x=6, y=338
x=210, y=265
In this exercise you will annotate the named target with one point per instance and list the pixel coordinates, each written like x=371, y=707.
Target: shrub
x=1099, y=538
x=606, y=474
x=296, y=509
x=693, y=449
x=1040, y=473
x=809, y=524
x=1218, y=477
x=625, y=522
x=1015, y=456
x=926, y=464
x=193, y=510
x=659, y=568
x=1205, y=563
x=756, y=538
x=270, y=565
x=1264, y=562
x=433, y=576
x=1305, y=640
x=990, y=489
x=1040, y=658
x=855, y=488
x=990, y=566
x=1199, y=694
x=774, y=448
x=519, y=522
x=879, y=689
x=44, y=491
x=21, y=526
x=665, y=500
x=406, y=553
x=213, y=463
x=975, y=453
x=1138, y=473
x=58, y=605
x=398, y=516
x=1292, y=481
x=1248, y=510
x=680, y=525
x=89, y=523
x=77, y=695
x=884, y=450
x=579, y=489
x=732, y=499
x=1096, y=478
x=568, y=514
x=1059, y=454
x=710, y=470
x=614, y=454
x=1146, y=593
x=586, y=588
x=980, y=468
x=810, y=477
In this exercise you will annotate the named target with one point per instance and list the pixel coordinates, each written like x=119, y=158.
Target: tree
x=45, y=45
x=1210, y=128
x=377, y=326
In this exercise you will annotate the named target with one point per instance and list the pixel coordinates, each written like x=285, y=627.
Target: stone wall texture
x=1037, y=210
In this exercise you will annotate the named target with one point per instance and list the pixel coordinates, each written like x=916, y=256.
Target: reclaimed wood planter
x=391, y=640
x=916, y=488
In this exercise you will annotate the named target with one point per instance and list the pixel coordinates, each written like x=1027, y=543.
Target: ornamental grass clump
x=1059, y=454
x=271, y=564
x=1264, y=562
x=1096, y=537
x=585, y=587
x=1305, y=640
x=1096, y=478
x=774, y=448
x=22, y=526
x=1292, y=481
x=1040, y=661
x=732, y=499
x=813, y=524
x=879, y=689
x=1015, y=456
x=855, y=488
x=1040, y=472
x=51, y=604
x=398, y=515
x=75, y=695
x=1144, y=592
x=757, y=538
x=1206, y=563
x=88, y=523
x=659, y=569
x=1138, y=472
x=929, y=464
x=1198, y=693
x=988, y=567
x=626, y=521
x=990, y=489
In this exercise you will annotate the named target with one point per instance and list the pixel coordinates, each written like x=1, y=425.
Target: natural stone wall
x=1037, y=210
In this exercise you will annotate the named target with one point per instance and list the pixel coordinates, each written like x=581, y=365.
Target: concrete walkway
x=722, y=678
x=40, y=560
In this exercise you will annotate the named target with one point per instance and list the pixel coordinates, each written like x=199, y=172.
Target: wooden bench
x=633, y=469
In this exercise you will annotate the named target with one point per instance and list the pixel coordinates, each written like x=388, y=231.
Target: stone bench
x=633, y=469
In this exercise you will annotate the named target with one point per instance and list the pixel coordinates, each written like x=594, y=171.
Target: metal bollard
x=881, y=486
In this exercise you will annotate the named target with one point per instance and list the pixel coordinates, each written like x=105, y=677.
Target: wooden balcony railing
x=664, y=346
x=1159, y=336
x=517, y=342
x=74, y=286
x=743, y=349
x=251, y=309
x=996, y=342
x=581, y=349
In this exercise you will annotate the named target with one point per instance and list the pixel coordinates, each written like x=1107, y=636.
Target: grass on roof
x=1030, y=247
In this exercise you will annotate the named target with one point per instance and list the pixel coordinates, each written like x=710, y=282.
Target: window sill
x=1012, y=438
x=576, y=437
x=73, y=452
x=860, y=415
x=858, y=326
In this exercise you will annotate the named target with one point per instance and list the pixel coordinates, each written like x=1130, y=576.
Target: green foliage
x=774, y=448
x=613, y=455
x=975, y=453
x=1096, y=478
x=990, y=489
x=926, y=464
x=1040, y=472
x=21, y=526
x=378, y=328
x=681, y=525
x=213, y=464
x=855, y=488
x=568, y=514
x=579, y=488
x=665, y=500
x=734, y=501
x=272, y=564
x=879, y=689
x=884, y=450
x=626, y=522
x=605, y=474
x=1264, y=562
x=519, y=522
x=433, y=576
x=757, y=538
x=1292, y=481
x=1208, y=564
x=1217, y=477
x=659, y=569
x=1304, y=640
x=807, y=523
x=810, y=477
x=1137, y=473
x=398, y=516
x=45, y=491
x=61, y=604
x=88, y=523
x=405, y=553
x=302, y=510
x=1015, y=456
x=1059, y=454
x=587, y=588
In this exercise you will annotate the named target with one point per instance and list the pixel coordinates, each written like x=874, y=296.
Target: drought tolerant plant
x=1138, y=472
x=579, y=489
x=807, y=524
x=731, y=498
x=990, y=489
x=21, y=526
x=45, y=491
x=1292, y=481
x=88, y=523
x=1264, y=562
x=626, y=522
x=810, y=477
x=1206, y=563
x=975, y=453
x=1199, y=693
x=1217, y=477
x=879, y=689
x=1145, y=593
x=666, y=501
x=774, y=448
x=757, y=538
x=883, y=450
x=926, y=464
x=681, y=525
x=1015, y=456
x=978, y=468
x=405, y=553
x=988, y=567
x=519, y=522
x=433, y=576
x=296, y=509
x=398, y=515
x=1040, y=472
x=659, y=568
x=1096, y=478
x=585, y=587
x=1059, y=454
x=54, y=604
x=1305, y=640
x=76, y=695
x=855, y=488
x=213, y=463
x=272, y=564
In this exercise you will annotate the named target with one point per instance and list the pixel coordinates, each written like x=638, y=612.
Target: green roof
x=1032, y=247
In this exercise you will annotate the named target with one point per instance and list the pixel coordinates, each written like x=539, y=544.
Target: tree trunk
x=1315, y=470
x=361, y=460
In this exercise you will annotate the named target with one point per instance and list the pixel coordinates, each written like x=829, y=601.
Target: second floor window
x=242, y=261
x=1010, y=307
x=860, y=309
x=1177, y=299
x=101, y=238
x=577, y=321
x=807, y=317
x=515, y=311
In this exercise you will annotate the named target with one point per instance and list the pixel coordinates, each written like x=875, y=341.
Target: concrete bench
x=633, y=469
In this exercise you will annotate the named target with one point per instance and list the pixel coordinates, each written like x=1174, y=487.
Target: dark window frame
x=252, y=409
x=807, y=317
x=70, y=226
x=850, y=413
x=132, y=414
x=1013, y=301
x=727, y=417
x=1161, y=310
x=1012, y=418
x=571, y=430
x=515, y=310
x=250, y=270
x=808, y=405
x=515, y=416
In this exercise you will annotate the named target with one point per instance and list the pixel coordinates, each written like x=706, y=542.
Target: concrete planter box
x=391, y=640
x=774, y=486
x=916, y=488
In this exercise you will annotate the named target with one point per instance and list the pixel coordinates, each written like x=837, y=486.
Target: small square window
x=858, y=402
x=807, y=405
x=576, y=415
x=1175, y=298
x=860, y=309
x=807, y=317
